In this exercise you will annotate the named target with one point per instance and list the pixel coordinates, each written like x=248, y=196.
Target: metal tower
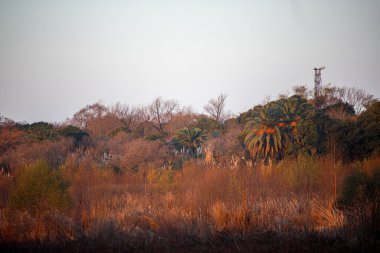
x=318, y=86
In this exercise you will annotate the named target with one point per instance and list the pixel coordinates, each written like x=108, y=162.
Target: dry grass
x=199, y=205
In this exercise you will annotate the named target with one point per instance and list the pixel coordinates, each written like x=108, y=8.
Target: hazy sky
x=58, y=56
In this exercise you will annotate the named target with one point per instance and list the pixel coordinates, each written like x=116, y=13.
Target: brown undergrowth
x=199, y=208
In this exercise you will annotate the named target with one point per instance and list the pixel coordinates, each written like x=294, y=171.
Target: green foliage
x=338, y=140
x=189, y=141
x=177, y=164
x=153, y=137
x=40, y=131
x=271, y=128
x=290, y=127
x=360, y=189
x=365, y=137
x=207, y=124
x=294, y=109
x=264, y=137
x=40, y=189
x=354, y=190
x=118, y=130
x=340, y=106
x=354, y=140
x=303, y=174
x=72, y=131
x=360, y=200
x=308, y=137
x=161, y=178
x=321, y=123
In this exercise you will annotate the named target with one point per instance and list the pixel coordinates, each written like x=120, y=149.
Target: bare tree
x=103, y=126
x=302, y=91
x=142, y=114
x=330, y=95
x=87, y=114
x=358, y=98
x=124, y=113
x=283, y=95
x=161, y=111
x=215, y=107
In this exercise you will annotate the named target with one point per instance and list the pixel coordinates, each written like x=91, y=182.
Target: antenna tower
x=318, y=86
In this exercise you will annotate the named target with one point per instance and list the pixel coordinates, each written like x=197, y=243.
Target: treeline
x=346, y=125
x=125, y=178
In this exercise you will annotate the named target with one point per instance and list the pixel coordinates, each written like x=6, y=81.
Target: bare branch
x=124, y=113
x=87, y=114
x=215, y=107
x=161, y=111
x=358, y=98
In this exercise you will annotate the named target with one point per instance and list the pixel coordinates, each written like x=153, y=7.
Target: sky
x=58, y=56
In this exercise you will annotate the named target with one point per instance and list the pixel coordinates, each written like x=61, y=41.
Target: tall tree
x=215, y=107
x=302, y=91
x=272, y=127
x=124, y=113
x=161, y=111
x=358, y=98
x=265, y=137
x=365, y=138
x=88, y=113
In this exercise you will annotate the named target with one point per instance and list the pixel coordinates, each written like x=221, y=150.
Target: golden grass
x=196, y=203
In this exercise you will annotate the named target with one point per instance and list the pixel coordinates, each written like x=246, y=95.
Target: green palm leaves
x=265, y=142
x=189, y=141
x=272, y=126
x=265, y=138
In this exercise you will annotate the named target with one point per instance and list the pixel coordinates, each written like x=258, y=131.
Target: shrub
x=360, y=199
x=162, y=178
x=40, y=189
x=302, y=175
x=140, y=153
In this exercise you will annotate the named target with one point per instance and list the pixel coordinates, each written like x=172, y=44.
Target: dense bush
x=40, y=189
x=360, y=199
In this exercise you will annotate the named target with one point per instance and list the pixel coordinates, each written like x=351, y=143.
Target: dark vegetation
x=281, y=177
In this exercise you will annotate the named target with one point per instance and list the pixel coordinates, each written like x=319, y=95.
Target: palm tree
x=293, y=110
x=273, y=126
x=189, y=141
x=265, y=137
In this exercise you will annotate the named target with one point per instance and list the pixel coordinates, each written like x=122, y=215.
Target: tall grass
x=198, y=205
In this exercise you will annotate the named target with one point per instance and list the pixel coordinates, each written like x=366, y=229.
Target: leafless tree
x=161, y=111
x=358, y=98
x=142, y=114
x=330, y=95
x=87, y=114
x=103, y=126
x=124, y=113
x=139, y=153
x=266, y=100
x=215, y=107
x=283, y=95
x=302, y=91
